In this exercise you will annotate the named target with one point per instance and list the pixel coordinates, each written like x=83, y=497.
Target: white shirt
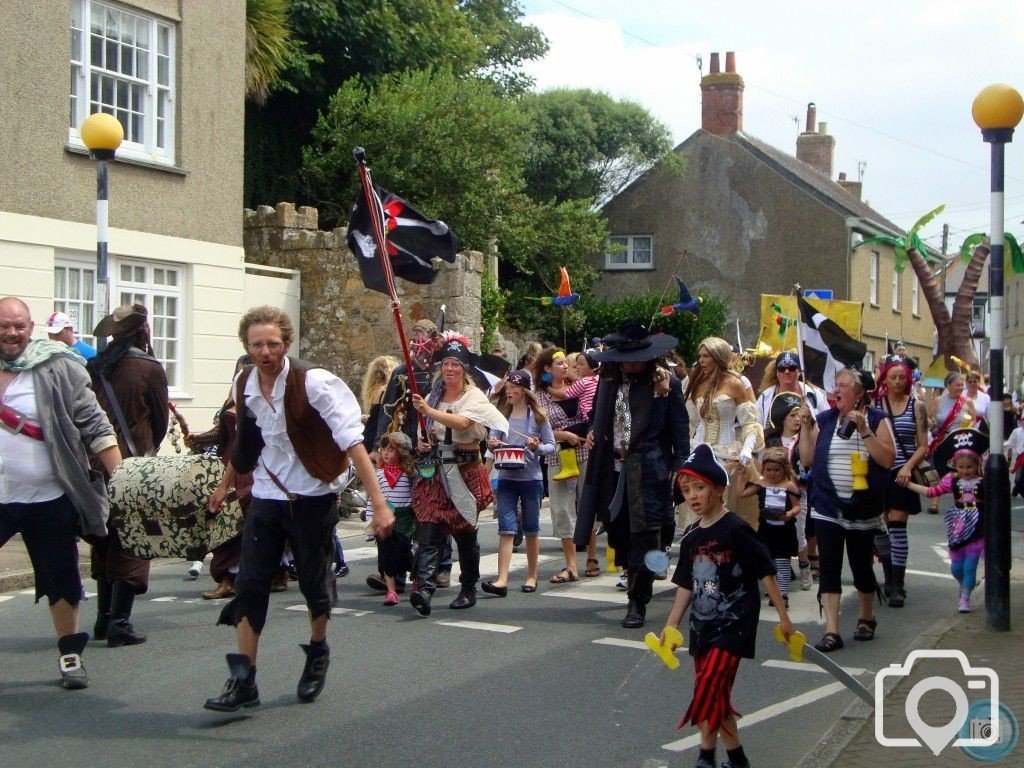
x=26, y=474
x=332, y=399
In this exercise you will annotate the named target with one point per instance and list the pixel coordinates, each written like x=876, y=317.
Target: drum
x=510, y=457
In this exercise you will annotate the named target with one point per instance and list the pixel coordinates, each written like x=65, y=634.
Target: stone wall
x=344, y=325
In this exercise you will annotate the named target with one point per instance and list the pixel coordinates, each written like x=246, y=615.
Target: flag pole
x=799, y=337
x=373, y=205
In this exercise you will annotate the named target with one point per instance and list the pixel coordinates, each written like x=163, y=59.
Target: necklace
x=716, y=518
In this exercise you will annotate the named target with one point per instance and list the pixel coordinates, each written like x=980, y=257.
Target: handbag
x=925, y=472
x=861, y=506
x=961, y=524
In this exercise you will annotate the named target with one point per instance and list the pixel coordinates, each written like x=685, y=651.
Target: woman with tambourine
x=909, y=424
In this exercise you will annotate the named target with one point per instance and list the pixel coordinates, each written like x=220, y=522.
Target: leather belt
x=18, y=423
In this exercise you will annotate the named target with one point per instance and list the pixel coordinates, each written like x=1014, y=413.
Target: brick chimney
x=722, y=98
x=855, y=188
x=816, y=147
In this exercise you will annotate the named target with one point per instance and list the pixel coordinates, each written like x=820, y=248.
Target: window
x=159, y=288
x=74, y=294
x=896, y=291
x=122, y=63
x=873, y=287
x=978, y=312
x=915, y=297
x=630, y=252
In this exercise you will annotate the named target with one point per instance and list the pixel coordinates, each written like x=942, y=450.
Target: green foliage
x=1013, y=256
x=449, y=145
x=492, y=306
x=900, y=245
x=598, y=317
x=269, y=47
x=586, y=145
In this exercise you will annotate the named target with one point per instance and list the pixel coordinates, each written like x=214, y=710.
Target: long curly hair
x=721, y=352
x=544, y=359
x=376, y=378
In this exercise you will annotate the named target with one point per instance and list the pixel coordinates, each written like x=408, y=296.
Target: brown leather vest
x=308, y=432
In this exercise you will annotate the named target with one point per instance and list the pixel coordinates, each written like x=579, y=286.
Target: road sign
x=818, y=293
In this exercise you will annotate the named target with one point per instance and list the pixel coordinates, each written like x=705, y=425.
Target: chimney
x=814, y=146
x=855, y=188
x=722, y=98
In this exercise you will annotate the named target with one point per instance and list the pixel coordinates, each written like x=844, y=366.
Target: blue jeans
x=510, y=494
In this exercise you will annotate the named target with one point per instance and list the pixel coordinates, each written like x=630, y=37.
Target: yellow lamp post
x=997, y=110
x=102, y=134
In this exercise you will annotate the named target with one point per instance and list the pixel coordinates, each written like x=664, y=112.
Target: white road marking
x=800, y=666
x=167, y=599
x=764, y=714
x=334, y=611
x=481, y=625
x=27, y=592
x=600, y=589
x=942, y=552
x=930, y=573
x=5, y=598
x=639, y=645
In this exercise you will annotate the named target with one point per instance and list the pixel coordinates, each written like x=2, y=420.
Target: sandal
x=830, y=642
x=564, y=576
x=593, y=568
x=865, y=629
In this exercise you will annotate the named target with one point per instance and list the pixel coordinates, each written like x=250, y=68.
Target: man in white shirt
x=298, y=426
x=787, y=379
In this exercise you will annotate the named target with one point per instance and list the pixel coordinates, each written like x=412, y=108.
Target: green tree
x=269, y=47
x=369, y=39
x=586, y=145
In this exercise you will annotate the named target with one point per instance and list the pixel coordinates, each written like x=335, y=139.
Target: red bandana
x=391, y=473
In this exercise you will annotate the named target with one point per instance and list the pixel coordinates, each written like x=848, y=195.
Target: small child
x=965, y=533
x=395, y=476
x=722, y=568
x=779, y=502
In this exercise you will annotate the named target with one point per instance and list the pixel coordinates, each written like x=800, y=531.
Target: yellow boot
x=569, y=468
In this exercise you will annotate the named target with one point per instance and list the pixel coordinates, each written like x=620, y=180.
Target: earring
x=545, y=377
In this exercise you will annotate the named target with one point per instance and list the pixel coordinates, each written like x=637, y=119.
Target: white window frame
x=873, y=277
x=620, y=246
x=915, y=297
x=74, y=294
x=142, y=88
x=896, y=291
x=136, y=281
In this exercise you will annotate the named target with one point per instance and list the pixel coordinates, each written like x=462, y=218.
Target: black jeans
x=832, y=537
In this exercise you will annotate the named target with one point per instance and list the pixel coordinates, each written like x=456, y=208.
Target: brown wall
x=201, y=200
x=744, y=228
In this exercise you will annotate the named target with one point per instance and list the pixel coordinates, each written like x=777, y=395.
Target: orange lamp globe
x=997, y=106
x=101, y=131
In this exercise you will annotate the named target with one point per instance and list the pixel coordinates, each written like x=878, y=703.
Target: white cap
x=57, y=322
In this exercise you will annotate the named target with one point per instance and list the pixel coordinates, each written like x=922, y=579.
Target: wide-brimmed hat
x=972, y=440
x=703, y=465
x=632, y=344
x=782, y=404
x=123, y=320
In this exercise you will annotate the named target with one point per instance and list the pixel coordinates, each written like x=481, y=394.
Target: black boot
x=72, y=673
x=120, y=631
x=99, y=630
x=240, y=690
x=469, y=564
x=636, y=615
x=887, y=587
x=898, y=595
x=428, y=560
x=639, y=591
x=314, y=674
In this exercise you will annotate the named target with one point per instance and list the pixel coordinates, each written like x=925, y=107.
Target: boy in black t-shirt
x=722, y=568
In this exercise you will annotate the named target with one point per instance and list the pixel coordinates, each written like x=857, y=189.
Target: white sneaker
x=195, y=569
x=370, y=537
x=623, y=582
x=806, y=582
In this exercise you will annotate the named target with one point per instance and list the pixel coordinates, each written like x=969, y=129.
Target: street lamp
x=997, y=110
x=102, y=134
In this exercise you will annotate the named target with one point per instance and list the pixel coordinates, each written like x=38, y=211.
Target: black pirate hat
x=632, y=344
x=972, y=440
x=782, y=404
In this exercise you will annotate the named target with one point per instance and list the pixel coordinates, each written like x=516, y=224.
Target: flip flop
x=564, y=576
x=593, y=568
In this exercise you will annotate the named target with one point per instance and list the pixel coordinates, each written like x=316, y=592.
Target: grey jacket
x=74, y=426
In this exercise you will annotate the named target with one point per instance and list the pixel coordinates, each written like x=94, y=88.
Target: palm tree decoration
x=269, y=47
x=901, y=245
x=1014, y=257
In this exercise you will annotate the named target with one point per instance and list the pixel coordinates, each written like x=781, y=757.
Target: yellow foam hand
x=796, y=643
x=666, y=651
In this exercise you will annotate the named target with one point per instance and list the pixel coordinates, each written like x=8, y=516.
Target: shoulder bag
x=924, y=473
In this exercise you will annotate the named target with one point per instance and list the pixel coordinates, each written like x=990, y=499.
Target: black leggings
x=859, y=551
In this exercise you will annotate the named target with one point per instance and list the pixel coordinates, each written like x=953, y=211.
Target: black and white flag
x=826, y=347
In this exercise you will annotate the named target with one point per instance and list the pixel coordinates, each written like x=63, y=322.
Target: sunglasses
x=788, y=368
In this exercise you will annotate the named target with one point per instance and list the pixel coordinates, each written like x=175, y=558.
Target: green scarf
x=38, y=352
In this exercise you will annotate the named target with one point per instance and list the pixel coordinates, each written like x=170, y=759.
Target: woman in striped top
x=909, y=422
x=831, y=444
